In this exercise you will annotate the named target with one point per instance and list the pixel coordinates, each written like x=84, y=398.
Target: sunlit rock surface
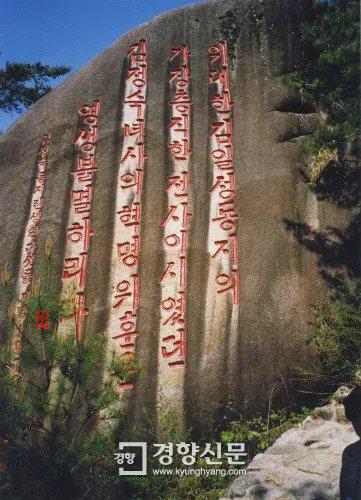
x=233, y=361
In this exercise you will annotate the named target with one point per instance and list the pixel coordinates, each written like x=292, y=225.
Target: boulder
x=303, y=464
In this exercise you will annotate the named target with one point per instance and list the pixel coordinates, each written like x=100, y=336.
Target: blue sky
x=68, y=32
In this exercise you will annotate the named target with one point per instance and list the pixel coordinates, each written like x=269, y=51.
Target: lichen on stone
x=320, y=161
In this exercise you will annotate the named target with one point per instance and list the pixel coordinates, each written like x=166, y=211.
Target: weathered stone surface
x=278, y=278
x=303, y=464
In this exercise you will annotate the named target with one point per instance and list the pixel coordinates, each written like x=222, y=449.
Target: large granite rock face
x=303, y=464
x=242, y=361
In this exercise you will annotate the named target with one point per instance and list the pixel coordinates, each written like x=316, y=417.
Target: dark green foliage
x=48, y=415
x=261, y=432
x=338, y=336
x=23, y=84
x=257, y=433
x=330, y=78
x=48, y=412
x=330, y=72
x=126, y=369
x=54, y=448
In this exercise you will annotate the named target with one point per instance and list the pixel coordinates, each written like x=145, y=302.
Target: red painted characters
x=31, y=231
x=176, y=221
x=223, y=245
x=124, y=292
x=42, y=319
x=79, y=228
x=29, y=245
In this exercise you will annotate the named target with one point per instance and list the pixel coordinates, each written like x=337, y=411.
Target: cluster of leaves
x=257, y=433
x=48, y=415
x=337, y=337
x=22, y=84
x=329, y=74
x=125, y=368
x=164, y=486
x=48, y=411
x=329, y=77
x=261, y=432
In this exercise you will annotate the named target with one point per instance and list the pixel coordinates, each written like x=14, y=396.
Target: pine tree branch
x=15, y=372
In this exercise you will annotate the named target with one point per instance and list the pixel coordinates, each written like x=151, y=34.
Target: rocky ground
x=304, y=463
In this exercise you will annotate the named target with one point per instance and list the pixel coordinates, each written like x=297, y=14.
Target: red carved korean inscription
x=223, y=244
x=29, y=243
x=37, y=203
x=176, y=220
x=79, y=228
x=124, y=298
